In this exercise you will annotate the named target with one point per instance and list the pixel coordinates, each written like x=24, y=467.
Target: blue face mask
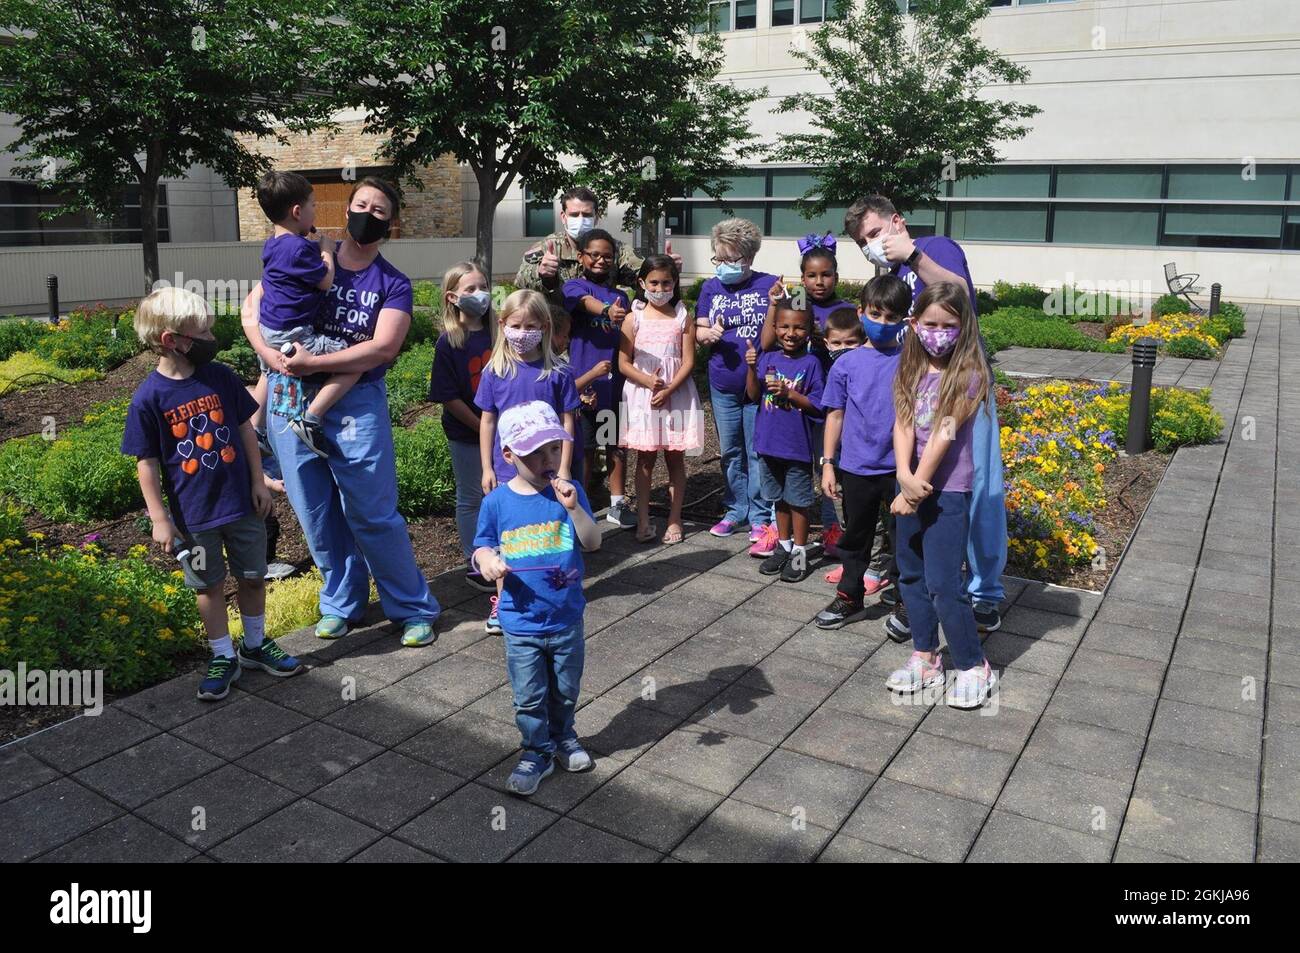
x=730, y=274
x=886, y=336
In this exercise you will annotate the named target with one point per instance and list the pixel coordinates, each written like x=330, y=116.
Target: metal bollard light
x=1216, y=290
x=52, y=288
x=1139, y=398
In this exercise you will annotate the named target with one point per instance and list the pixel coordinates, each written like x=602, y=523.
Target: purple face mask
x=937, y=341
x=524, y=340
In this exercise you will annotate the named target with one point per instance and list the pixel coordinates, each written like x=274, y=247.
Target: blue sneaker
x=528, y=774
x=331, y=627
x=418, y=633
x=270, y=658
x=222, y=673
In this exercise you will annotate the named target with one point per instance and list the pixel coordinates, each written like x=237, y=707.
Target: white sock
x=614, y=500
x=222, y=647
x=798, y=551
x=786, y=544
x=254, y=630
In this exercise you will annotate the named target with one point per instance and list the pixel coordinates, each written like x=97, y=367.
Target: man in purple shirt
x=881, y=232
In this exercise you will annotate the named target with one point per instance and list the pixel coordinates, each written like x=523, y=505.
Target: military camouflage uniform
x=628, y=264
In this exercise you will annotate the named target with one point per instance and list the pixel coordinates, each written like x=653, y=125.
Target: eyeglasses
x=597, y=256
x=727, y=261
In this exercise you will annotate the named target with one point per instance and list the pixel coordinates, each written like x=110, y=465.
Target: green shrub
x=1076, y=304
x=24, y=369
x=226, y=328
x=20, y=335
x=85, y=339
x=1169, y=304
x=850, y=290
x=408, y=380
x=291, y=604
x=1232, y=314
x=425, y=293
x=242, y=360
x=1029, y=327
x=77, y=609
x=985, y=303
x=1020, y=295
x=1178, y=418
x=1188, y=347
x=426, y=325
x=11, y=520
x=425, y=483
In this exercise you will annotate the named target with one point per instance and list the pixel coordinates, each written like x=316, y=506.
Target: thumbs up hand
x=751, y=354
x=668, y=250
x=549, y=266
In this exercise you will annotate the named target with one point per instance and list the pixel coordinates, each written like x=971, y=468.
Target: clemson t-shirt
x=192, y=427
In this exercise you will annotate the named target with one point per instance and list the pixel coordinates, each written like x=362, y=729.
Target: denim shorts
x=789, y=481
x=303, y=336
x=244, y=542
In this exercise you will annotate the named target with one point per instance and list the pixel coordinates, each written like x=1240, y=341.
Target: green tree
x=129, y=92
x=512, y=88
x=906, y=106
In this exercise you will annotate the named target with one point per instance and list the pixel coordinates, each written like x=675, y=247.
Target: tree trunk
x=649, y=240
x=487, y=210
x=149, y=230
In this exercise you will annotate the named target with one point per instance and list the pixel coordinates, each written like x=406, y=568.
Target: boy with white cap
x=529, y=533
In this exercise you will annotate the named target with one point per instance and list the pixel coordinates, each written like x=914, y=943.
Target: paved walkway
x=1159, y=722
x=1083, y=365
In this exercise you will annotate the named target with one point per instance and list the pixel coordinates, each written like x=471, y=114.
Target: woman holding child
x=347, y=501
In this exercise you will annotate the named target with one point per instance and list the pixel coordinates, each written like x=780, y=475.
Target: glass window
x=745, y=185
x=1108, y=182
x=836, y=9
x=1222, y=226
x=810, y=11
x=792, y=183
x=701, y=217
x=21, y=203
x=923, y=221
x=720, y=17
x=1229, y=182
x=539, y=215
x=788, y=222
x=1024, y=181
x=998, y=221
x=1291, y=236
x=1105, y=224
x=746, y=14
x=782, y=12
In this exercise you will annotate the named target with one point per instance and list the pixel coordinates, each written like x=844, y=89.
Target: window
x=1023, y=3
x=1108, y=182
x=1011, y=181
x=539, y=214
x=782, y=12
x=727, y=15
x=1210, y=226
x=22, y=202
x=1105, y=224
x=998, y=221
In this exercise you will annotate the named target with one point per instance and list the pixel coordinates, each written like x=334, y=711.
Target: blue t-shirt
x=191, y=427
x=535, y=530
x=861, y=383
x=741, y=309
x=291, y=269
x=594, y=338
x=498, y=394
x=355, y=299
x=456, y=374
x=942, y=251
x=781, y=429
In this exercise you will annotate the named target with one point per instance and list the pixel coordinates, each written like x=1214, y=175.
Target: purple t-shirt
x=192, y=428
x=861, y=383
x=594, y=338
x=741, y=309
x=498, y=394
x=782, y=430
x=956, y=469
x=355, y=299
x=943, y=251
x=823, y=311
x=456, y=374
x=291, y=269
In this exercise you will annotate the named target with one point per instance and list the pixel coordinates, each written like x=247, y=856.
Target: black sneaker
x=987, y=617
x=896, y=626
x=797, y=570
x=310, y=433
x=889, y=597
x=839, y=613
x=773, y=565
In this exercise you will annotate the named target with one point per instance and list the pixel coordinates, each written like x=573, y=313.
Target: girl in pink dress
x=661, y=407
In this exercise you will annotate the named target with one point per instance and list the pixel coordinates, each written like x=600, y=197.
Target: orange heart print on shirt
x=190, y=466
x=180, y=430
x=204, y=440
x=228, y=454
x=217, y=416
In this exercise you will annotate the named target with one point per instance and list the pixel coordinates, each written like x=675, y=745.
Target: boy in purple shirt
x=296, y=274
x=783, y=435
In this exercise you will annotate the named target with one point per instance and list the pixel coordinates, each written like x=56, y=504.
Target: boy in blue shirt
x=529, y=533
x=189, y=426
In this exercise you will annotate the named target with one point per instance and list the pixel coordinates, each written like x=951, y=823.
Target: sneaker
x=987, y=617
x=723, y=528
x=263, y=442
x=270, y=658
x=310, y=433
x=889, y=595
x=278, y=570
x=839, y=613
x=768, y=542
x=528, y=774
x=493, y=624
x=897, y=626
x=775, y=562
x=917, y=675
x=972, y=686
x=835, y=575
x=756, y=532
x=571, y=757
x=418, y=633
x=830, y=537
x=873, y=583
x=222, y=673
x=331, y=627
x=476, y=581
x=797, y=570
x=621, y=515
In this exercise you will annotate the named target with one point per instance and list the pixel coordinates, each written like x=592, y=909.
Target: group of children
x=881, y=403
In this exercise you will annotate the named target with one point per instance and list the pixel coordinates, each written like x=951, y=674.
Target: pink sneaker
x=873, y=582
x=766, y=543
x=830, y=537
x=917, y=675
x=835, y=575
x=723, y=528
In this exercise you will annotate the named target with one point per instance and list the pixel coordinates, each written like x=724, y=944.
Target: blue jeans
x=930, y=549
x=347, y=506
x=545, y=676
x=742, y=499
x=986, y=551
x=468, y=468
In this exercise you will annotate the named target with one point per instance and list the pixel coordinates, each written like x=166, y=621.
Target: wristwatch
x=913, y=258
x=822, y=461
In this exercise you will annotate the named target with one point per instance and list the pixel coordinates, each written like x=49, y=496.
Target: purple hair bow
x=809, y=242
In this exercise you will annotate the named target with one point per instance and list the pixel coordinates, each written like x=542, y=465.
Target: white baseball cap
x=525, y=427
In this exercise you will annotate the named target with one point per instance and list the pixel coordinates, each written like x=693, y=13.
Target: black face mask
x=836, y=355
x=365, y=229
x=201, y=351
